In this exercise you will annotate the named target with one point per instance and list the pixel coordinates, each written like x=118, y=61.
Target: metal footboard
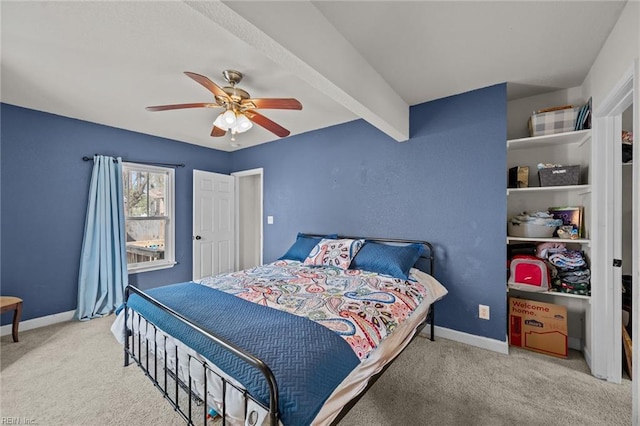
x=178, y=389
x=171, y=382
x=174, y=388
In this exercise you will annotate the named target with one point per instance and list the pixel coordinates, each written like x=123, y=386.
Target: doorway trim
x=606, y=301
x=240, y=175
x=635, y=249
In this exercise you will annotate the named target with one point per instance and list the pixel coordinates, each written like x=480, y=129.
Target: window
x=149, y=216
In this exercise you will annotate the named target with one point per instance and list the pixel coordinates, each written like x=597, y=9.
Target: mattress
x=372, y=361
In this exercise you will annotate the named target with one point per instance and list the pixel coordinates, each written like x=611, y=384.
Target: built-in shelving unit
x=571, y=148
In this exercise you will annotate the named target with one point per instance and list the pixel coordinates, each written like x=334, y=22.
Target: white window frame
x=169, y=243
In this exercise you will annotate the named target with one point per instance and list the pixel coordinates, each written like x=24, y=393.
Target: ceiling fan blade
x=273, y=103
x=268, y=124
x=213, y=88
x=217, y=131
x=181, y=106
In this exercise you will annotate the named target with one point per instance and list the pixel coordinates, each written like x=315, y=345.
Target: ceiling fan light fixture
x=220, y=123
x=229, y=117
x=243, y=123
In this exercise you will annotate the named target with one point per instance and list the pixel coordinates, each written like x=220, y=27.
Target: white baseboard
x=5, y=330
x=587, y=357
x=491, y=344
x=469, y=339
x=446, y=333
x=575, y=343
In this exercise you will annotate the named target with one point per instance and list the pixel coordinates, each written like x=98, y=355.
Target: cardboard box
x=538, y=326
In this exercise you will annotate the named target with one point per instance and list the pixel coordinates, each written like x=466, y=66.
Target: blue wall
x=44, y=199
x=445, y=185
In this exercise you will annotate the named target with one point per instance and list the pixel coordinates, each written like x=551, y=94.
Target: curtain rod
x=141, y=162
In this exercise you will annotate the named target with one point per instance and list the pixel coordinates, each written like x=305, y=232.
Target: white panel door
x=213, y=224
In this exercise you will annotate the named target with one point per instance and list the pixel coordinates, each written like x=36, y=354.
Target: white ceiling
x=104, y=62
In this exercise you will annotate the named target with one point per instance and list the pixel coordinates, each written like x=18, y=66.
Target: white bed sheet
x=350, y=387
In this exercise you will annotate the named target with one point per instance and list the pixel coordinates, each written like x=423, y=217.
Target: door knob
x=198, y=237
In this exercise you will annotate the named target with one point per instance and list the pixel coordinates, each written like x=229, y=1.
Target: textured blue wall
x=44, y=199
x=445, y=185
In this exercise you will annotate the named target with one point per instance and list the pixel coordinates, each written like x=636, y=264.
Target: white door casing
x=635, y=251
x=249, y=218
x=213, y=224
x=606, y=301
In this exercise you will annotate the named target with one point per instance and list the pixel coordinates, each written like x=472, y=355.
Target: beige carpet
x=71, y=374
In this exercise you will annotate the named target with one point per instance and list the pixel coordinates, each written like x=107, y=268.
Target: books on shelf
x=584, y=117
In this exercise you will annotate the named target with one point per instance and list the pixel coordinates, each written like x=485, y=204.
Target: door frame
x=606, y=301
x=635, y=249
x=240, y=175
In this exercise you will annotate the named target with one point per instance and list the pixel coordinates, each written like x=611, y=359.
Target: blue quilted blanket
x=308, y=360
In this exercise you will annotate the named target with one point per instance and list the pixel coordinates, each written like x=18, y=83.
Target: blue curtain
x=103, y=262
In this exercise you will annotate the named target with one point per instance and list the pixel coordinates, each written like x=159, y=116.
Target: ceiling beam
x=298, y=37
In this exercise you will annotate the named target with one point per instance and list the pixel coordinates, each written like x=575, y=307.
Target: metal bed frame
x=171, y=391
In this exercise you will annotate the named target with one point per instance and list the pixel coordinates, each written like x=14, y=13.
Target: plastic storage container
x=529, y=230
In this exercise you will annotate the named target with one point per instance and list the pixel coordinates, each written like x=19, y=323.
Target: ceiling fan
x=239, y=108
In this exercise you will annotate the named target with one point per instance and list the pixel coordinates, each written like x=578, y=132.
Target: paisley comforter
x=362, y=307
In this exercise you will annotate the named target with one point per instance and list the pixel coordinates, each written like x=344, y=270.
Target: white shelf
x=630, y=163
x=548, y=240
x=567, y=138
x=567, y=188
x=551, y=293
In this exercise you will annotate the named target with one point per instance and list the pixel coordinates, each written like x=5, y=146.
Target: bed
x=296, y=341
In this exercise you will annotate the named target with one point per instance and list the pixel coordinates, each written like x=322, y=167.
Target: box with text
x=538, y=326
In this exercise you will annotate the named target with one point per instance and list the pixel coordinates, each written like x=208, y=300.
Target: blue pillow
x=387, y=259
x=303, y=246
